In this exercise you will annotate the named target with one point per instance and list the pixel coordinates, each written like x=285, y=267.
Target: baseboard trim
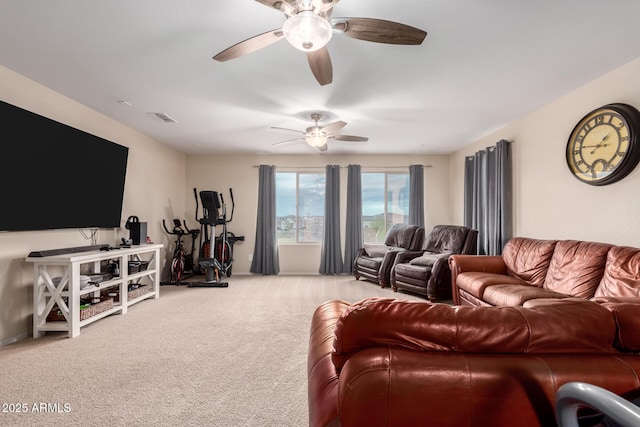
x=14, y=339
x=287, y=273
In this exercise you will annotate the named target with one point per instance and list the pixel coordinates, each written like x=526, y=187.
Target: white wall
x=151, y=192
x=219, y=173
x=549, y=201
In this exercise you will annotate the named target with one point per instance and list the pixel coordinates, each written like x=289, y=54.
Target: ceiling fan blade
x=287, y=129
x=333, y=127
x=323, y=5
x=250, y=45
x=350, y=138
x=288, y=141
x=320, y=63
x=269, y=3
x=282, y=5
x=379, y=31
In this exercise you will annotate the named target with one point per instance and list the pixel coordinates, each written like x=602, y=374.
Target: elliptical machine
x=216, y=262
x=225, y=240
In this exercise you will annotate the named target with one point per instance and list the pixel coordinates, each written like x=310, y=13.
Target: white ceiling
x=482, y=65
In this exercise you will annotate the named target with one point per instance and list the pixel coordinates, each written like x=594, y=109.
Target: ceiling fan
x=317, y=136
x=309, y=28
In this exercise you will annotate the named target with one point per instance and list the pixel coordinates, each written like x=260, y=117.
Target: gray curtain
x=488, y=197
x=265, y=253
x=353, y=240
x=331, y=258
x=416, y=195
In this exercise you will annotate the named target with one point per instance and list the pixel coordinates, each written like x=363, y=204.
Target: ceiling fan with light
x=317, y=136
x=309, y=28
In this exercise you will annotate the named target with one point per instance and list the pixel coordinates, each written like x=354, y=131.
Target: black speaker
x=137, y=230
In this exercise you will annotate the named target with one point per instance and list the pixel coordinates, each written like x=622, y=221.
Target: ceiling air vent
x=164, y=117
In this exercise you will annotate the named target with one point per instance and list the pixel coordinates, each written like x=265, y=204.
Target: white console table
x=66, y=292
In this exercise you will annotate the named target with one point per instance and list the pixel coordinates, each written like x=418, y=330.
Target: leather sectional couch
x=544, y=313
x=389, y=362
x=532, y=269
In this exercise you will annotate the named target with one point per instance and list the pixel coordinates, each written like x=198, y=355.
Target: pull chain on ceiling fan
x=309, y=28
x=317, y=136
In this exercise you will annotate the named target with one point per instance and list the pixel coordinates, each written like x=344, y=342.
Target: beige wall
x=549, y=201
x=150, y=193
x=219, y=173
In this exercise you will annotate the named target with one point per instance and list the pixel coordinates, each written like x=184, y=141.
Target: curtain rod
x=323, y=166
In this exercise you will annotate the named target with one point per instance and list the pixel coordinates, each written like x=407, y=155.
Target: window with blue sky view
x=385, y=201
x=300, y=205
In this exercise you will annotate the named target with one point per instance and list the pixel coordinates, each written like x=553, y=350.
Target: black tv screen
x=55, y=176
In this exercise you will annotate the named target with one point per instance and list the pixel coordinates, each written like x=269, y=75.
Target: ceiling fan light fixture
x=316, y=140
x=307, y=31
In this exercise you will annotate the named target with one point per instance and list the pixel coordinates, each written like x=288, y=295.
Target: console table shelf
x=66, y=293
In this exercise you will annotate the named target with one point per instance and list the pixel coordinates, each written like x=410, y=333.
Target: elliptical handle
x=233, y=204
x=195, y=194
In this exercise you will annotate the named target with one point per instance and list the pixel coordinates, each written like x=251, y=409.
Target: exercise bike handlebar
x=193, y=232
x=177, y=230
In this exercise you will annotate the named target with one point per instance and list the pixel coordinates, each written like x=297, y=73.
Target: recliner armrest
x=485, y=263
x=384, y=273
x=463, y=263
x=440, y=278
x=407, y=256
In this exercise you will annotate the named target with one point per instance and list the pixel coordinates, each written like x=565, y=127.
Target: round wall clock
x=603, y=147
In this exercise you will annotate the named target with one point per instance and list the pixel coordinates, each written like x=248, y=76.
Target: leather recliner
x=426, y=272
x=374, y=261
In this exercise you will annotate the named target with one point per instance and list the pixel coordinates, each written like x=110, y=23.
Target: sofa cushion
x=372, y=263
x=428, y=259
x=528, y=259
x=539, y=302
x=415, y=271
x=628, y=322
x=476, y=282
x=576, y=267
x=621, y=276
x=515, y=295
x=577, y=326
x=375, y=250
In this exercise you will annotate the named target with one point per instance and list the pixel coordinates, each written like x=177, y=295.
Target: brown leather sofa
x=531, y=269
x=385, y=362
x=373, y=262
x=426, y=272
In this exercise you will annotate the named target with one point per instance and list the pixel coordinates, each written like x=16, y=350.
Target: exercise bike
x=182, y=262
x=217, y=262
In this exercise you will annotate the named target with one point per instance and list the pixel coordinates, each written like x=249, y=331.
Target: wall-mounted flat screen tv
x=55, y=176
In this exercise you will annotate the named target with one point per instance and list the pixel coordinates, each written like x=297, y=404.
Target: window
x=300, y=207
x=385, y=202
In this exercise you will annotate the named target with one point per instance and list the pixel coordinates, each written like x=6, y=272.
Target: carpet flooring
x=227, y=357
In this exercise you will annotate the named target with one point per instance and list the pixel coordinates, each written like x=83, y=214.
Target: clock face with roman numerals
x=602, y=148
